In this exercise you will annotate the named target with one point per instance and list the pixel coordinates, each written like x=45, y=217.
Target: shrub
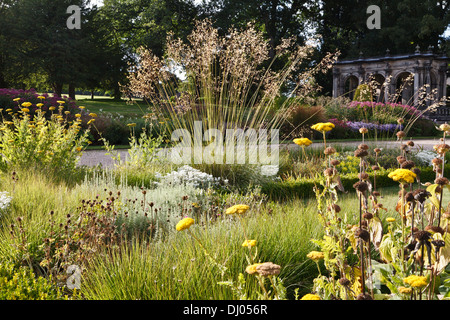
x=20, y=283
x=36, y=142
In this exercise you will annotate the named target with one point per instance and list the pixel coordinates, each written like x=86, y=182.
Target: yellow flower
x=310, y=296
x=315, y=255
x=41, y=97
x=79, y=149
x=8, y=110
x=323, y=127
x=27, y=104
x=251, y=269
x=184, y=224
x=90, y=121
x=404, y=290
x=67, y=112
x=131, y=124
x=402, y=175
x=81, y=107
x=390, y=219
x=302, y=142
x=93, y=115
x=78, y=115
x=416, y=281
x=16, y=99
x=237, y=209
x=25, y=110
x=31, y=126
x=39, y=105
x=61, y=101
x=51, y=108
x=249, y=243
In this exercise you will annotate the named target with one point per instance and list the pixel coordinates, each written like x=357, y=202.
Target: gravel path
x=95, y=157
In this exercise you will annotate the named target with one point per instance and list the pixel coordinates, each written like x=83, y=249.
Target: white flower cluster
x=424, y=157
x=5, y=200
x=191, y=176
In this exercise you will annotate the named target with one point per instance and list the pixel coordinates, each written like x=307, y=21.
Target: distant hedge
x=289, y=189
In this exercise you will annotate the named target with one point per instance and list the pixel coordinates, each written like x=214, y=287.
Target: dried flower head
x=401, y=134
x=335, y=162
x=329, y=151
x=361, y=186
x=361, y=153
x=268, y=269
x=441, y=148
x=442, y=181
x=363, y=130
x=363, y=146
x=408, y=164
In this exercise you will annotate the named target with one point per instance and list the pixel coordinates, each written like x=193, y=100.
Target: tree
x=279, y=19
x=146, y=23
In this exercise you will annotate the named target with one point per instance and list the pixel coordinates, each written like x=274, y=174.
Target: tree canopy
x=37, y=47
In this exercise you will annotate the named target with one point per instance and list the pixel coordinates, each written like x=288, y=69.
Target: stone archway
x=404, y=88
x=379, y=83
x=350, y=85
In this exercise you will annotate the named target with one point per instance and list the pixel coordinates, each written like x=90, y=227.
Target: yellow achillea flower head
x=39, y=105
x=184, y=224
x=61, y=101
x=27, y=104
x=416, y=281
x=78, y=115
x=237, y=209
x=93, y=115
x=251, y=269
x=131, y=124
x=90, y=121
x=323, y=127
x=390, y=219
x=402, y=175
x=404, y=290
x=41, y=97
x=25, y=110
x=303, y=142
x=16, y=99
x=310, y=296
x=51, y=108
x=315, y=255
x=249, y=243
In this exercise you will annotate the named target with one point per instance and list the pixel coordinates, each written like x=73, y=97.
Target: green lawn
x=101, y=105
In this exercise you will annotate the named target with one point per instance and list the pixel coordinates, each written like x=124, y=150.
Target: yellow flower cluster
x=310, y=296
x=323, y=127
x=416, y=281
x=402, y=175
x=315, y=255
x=303, y=142
x=184, y=224
x=237, y=209
x=249, y=243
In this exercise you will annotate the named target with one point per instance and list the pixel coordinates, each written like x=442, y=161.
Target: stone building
x=410, y=74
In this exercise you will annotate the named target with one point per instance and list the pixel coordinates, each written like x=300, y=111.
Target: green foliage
x=363, y=93
x=20, y=283
x=53, y=145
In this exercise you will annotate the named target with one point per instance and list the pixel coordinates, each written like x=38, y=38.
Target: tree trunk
x=57, y=89
x=92, y=94
x=72, y=91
